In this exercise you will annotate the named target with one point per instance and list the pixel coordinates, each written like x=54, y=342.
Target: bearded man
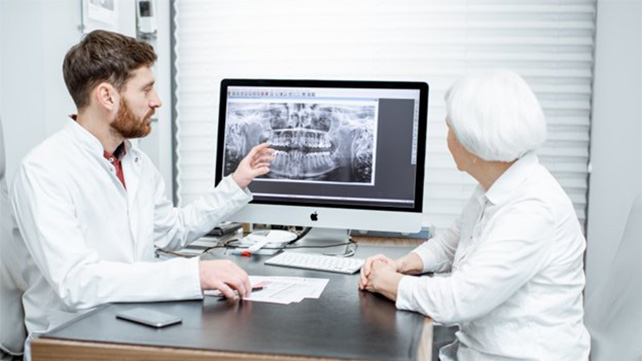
x=91, y=207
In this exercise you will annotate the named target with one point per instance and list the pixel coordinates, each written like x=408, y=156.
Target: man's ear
x=106, y=96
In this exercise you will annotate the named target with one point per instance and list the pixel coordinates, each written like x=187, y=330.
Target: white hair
x=495, y=116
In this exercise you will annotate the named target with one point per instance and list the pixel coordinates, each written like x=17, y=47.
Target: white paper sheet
x=283, y=290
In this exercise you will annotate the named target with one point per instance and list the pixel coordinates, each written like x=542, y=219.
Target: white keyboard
x=317, y=262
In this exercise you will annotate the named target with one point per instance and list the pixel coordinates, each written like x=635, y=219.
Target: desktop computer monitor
x=349, y=154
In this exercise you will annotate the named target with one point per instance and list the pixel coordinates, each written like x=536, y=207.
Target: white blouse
x=516, y=260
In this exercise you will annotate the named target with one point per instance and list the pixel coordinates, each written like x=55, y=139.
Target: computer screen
x=349, y=154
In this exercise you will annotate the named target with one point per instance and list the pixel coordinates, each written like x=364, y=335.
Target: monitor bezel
x=405, y=85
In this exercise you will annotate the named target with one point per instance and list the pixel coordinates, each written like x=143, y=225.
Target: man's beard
x=128, y=125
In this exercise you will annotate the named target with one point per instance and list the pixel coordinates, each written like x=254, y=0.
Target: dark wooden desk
x=343, y=323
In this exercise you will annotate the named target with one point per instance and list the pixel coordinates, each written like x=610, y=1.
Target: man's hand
x=255, y=164
x=225, y=276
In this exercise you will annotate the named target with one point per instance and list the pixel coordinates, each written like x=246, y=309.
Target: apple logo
x=314, y=217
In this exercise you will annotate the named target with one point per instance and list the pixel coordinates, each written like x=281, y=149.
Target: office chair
x=613, y=313
x=12, y=327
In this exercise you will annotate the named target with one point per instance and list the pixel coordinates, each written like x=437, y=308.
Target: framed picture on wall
x=99, y=14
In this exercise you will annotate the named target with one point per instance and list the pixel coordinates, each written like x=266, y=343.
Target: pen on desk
x=221, y=297
x=241, y=252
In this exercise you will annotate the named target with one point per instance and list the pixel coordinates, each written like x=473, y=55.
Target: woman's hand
x=382, y=275
x=382, y=278
x=410, y=264
x=367, y=267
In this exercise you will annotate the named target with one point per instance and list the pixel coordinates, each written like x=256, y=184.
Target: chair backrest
x=612, y=312
x=12, y=329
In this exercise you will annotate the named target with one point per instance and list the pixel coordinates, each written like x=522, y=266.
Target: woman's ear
x=106, y=96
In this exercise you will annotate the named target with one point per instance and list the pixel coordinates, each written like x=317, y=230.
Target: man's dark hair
x=103, y=56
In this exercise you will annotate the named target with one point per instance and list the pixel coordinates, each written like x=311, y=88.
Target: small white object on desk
x=274, y=237
x=255, y=241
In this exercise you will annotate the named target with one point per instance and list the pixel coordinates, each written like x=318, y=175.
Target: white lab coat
x=516, y=257
x=91, y=242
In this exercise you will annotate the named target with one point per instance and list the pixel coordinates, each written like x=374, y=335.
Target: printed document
x=283, y=290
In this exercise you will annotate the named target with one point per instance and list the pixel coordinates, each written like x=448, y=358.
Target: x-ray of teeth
x=313, y=141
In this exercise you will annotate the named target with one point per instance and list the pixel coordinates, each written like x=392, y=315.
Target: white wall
x=22, y=80
x=616, y=135
x=1, y=57
x=158, y=144
x=35, y=35
x=34, y=103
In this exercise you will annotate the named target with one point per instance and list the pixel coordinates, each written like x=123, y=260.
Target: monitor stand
x=317, y=238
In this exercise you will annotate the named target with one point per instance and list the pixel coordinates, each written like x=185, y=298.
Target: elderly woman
x=514, y=254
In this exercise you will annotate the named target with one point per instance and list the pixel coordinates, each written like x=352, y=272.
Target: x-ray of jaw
x=314, y=141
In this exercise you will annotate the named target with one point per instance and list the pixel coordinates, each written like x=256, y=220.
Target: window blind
x=549, y=43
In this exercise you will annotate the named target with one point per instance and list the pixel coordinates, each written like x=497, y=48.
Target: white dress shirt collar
x=502, y=189
x=83, y=137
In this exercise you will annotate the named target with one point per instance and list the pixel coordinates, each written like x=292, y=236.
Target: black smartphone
x=149, y=317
